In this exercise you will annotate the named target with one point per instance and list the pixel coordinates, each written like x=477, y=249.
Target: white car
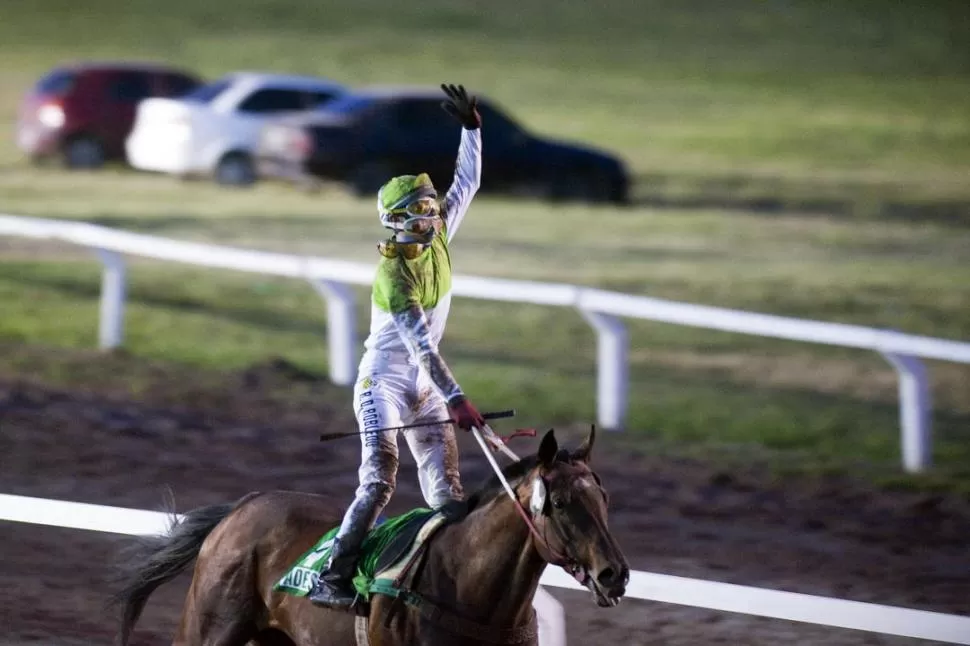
x=214, y=129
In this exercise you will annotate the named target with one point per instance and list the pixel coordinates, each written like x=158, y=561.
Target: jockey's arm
x=412, y=325
x=467, y=179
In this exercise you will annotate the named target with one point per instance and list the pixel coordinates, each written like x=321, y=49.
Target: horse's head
x=568, y=505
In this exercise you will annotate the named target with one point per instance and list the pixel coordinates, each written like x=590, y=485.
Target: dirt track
x=674, y=517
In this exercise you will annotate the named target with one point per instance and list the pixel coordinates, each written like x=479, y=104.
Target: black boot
x=335, y=587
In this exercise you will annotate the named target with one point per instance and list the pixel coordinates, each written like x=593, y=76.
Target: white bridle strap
x=554, y=556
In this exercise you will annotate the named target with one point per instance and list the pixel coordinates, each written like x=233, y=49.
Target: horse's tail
x=154, y=560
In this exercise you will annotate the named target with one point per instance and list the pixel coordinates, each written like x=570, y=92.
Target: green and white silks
x=411, y=299
x=402, y=377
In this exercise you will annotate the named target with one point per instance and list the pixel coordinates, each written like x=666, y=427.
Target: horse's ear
x=548, y=449
x=582, y=454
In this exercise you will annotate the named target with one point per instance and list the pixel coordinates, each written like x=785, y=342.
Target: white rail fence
x=776, y=604
x=602, y=309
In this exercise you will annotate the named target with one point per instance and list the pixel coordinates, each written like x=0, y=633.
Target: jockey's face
x=421, y=217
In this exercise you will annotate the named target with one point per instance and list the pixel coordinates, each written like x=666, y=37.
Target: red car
x=82, y=113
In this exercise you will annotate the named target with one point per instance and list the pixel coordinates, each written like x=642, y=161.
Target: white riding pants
x=390, y=391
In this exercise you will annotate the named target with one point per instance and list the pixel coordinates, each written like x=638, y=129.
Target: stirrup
x=341, y=596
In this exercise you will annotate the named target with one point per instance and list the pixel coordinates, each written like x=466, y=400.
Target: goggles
x=416, y=217
x=419, y=208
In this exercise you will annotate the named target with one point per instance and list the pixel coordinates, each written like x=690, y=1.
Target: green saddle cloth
x=303, y=574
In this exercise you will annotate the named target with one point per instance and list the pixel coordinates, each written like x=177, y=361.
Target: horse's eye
x=558, y=502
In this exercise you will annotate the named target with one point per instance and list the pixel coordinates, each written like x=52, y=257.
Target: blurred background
x=801, y=158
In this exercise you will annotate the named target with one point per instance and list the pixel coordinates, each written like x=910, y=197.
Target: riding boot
x=335, y=588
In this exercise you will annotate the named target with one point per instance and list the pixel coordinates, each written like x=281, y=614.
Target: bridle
x=436, y=613
x=554, y=557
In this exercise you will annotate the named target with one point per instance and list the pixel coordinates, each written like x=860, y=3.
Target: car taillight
x=298, y=144
x=51, y=115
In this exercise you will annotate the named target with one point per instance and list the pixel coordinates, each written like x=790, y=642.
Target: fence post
x=612, y=369
x=341, y=330
x=111, y=323
x=914, y=412
x=550, y=617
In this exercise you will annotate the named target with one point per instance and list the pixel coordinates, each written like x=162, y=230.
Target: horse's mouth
x=604, y=598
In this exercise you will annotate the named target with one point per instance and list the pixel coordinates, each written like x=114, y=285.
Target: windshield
x=57, y=82
x=208, y=92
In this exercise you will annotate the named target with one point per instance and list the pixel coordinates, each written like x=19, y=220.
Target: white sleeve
x=468, y=177
x=412, y=325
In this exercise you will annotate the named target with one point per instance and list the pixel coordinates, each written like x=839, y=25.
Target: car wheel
x=235, y=169
x=83, y=153
x=367, y=179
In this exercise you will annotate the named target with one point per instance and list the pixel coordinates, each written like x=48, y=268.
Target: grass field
x=867, y=103
x=865, y=100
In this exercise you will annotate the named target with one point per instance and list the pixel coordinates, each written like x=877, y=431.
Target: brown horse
x=474, y=583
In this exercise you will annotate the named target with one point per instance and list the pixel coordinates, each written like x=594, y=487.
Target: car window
x=319, y=98
x=207, y=93
x=177, y=85
x=271, y=100
x=420, y=115
x=56, y=83
x=130, y=87
x=497, y=127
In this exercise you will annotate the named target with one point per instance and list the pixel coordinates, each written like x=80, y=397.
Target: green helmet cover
x=400, y=191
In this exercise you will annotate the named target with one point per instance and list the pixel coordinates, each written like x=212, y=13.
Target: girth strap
x=441, y=616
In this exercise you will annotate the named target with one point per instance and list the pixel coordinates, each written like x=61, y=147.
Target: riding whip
x=335, y=436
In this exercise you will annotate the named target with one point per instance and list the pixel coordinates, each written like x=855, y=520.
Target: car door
x=262, y=104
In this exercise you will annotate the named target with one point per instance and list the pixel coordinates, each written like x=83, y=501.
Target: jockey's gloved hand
x=464, y=414
x=462, y=107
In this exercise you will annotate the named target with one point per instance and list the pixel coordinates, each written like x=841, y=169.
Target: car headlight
x=51, y=115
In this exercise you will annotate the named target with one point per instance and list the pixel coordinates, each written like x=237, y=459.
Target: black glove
x=461, y=107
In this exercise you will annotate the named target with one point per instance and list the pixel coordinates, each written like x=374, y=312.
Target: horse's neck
x=488, y=563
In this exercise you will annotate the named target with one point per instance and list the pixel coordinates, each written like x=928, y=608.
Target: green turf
x=788, y=100
x=810, y=103
x=693, y=389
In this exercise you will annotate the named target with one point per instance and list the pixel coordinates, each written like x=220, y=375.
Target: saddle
x=387, y=547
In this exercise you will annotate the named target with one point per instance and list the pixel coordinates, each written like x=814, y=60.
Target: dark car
x=370, y=135
x=83, y=112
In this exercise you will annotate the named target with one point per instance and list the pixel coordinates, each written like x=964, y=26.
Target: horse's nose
x=614, y=577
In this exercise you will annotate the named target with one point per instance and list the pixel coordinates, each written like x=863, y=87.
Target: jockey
x=402, y=378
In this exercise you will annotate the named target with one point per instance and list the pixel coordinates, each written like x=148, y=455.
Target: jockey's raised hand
x=462, y=107
x=464, y=414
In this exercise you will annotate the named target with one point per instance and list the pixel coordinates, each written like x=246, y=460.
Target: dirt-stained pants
x=392, y=392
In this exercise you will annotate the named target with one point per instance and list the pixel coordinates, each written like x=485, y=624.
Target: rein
x=432, y=610
x=496, y=441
